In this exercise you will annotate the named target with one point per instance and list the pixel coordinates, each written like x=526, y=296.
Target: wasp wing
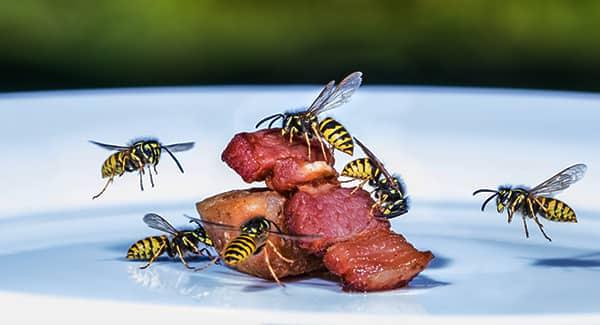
x=379, y=165
x=177, y=147
x=324, y=95
x=560, y=181
x=157, y=222
x=109, y=146
x=331, y=98
x=295, y=237
x=213, y=224
x=237, y=229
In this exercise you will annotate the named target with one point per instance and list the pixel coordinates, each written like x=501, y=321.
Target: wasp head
x=502, y=195
x=256, y=226
x=503, y=198
x=202, y=236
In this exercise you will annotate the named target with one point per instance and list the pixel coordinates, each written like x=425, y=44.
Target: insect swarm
x=253, y=239
x=389, y=191
x=140, y=154
x=306, y=123
x=538, y=200
x=180, y=243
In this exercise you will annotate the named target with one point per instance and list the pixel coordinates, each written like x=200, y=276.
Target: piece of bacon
x=267, y=155
x=376, y=260
x=332, y=212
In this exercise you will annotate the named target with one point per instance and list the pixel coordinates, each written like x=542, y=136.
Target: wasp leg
x=534, y=217
x=359, y=186
x=150, y=173
x=204, y=251
x=180, y=254
x=541, y=205
x=155, y=171
x=154, y=257
x=276, y=251
x=192, y=245
x=210, y=255
x=202, y=268
x=271, y=268
x=530, y=205
x=541, y=228
x=316, y=132
x=378, y=204
x=307, y=144
x=141, y=172
x=510, y=214
x=104, y=188
x=525, y=226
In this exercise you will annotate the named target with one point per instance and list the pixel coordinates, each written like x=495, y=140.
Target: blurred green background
x=87, y=44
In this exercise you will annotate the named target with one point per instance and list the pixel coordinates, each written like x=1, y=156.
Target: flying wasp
x=138, y=155
x=306, y=124
x=538, y=200
x=389, y=191
x=180, y=243
x=252, y=240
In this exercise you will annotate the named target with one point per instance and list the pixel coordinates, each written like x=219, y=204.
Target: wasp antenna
x=192, y=219
x=173, y=156
x=488, y=200
x=276, y=226
x=484, y=190
x=275, y=117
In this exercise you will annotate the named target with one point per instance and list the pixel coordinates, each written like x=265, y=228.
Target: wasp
x=139, y=154
x=306, y=123
x=389, y=191
x=538, y=200
x=252, y=240
x=180, y=243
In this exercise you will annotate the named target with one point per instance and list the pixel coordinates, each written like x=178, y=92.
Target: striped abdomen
x=362, y=168
x=146, y=248
x=115, y=164
x=337, y=135
x=555, y=210
x=239, y=249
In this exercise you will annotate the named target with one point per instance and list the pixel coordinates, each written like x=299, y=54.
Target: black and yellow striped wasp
x=306, y=124
x=252, y=240
x=180, y=243
x=538, y=200
x=139, y=154
x=389, y=191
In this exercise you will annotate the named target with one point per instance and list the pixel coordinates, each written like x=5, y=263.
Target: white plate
x=55, y=241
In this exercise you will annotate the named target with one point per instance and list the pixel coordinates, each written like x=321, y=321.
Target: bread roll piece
x=238, y=206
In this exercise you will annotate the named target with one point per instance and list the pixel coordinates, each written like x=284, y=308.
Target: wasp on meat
x=538, y=200
x=306, y=123
x=389, y=191
x=252, y=240
x=135, y=157
x=180, y=243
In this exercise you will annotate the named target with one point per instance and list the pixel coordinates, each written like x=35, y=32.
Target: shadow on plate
x=591, y=260
x=439, y=262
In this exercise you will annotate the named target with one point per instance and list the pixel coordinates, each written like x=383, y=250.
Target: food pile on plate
x=312, y=221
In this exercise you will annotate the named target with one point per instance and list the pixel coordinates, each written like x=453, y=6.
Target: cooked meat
x=290, y=173
x=355, y=244
x=235, y=208
x=330, y=211
x=267, y=155
x=375, y=260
